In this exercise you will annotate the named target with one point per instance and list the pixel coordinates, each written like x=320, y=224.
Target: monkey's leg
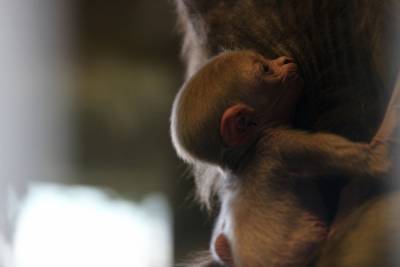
x=368, y=237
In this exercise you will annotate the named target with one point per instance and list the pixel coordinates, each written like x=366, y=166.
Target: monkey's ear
x=237, y=124
x=223, y=249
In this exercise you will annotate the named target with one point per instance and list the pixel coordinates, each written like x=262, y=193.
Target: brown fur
x=271, y=213
x=348, y=55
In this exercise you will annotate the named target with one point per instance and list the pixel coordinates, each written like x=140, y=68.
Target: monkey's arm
x=323, y=153
x=313, y=154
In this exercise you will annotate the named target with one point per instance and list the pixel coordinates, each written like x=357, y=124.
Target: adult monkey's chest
x=331, y=40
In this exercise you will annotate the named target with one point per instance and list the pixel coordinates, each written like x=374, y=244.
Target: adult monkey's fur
x=347, y=55
x=344, y=50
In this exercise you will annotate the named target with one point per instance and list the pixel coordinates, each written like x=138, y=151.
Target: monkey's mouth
x=292, y=75
x=292, y=80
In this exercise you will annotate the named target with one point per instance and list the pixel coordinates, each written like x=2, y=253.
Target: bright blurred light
x=62, y=226
x=36, y=82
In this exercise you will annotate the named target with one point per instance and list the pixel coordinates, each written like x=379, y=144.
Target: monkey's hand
x=386, y=141
x=388, y=132
x=379, y=161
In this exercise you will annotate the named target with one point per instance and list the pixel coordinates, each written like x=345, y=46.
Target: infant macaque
x=233, y=117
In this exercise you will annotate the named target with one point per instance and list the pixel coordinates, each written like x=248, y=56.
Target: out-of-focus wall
x=128, y=70
x=86, y=93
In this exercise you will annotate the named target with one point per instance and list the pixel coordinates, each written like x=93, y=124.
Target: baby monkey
x=233, y=118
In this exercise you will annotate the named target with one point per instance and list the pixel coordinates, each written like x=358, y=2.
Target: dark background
x=129, y=69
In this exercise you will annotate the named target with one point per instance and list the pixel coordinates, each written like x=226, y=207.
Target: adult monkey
x=346, y=52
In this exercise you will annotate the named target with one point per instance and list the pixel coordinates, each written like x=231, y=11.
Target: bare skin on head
x=234, y=116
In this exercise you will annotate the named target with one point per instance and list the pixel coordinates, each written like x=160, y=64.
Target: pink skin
x=223, y=250
x=236, y=124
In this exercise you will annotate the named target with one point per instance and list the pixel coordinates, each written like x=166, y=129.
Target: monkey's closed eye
x=265, y=69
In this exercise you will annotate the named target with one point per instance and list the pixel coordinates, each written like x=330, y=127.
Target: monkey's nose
x=285, y=66
x=284, y=60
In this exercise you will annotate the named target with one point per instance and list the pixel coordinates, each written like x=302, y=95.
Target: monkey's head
x=224, y=108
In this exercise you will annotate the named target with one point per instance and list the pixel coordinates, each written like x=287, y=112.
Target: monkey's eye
x=265, y=69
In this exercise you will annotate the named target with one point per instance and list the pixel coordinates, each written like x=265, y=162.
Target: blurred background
x=89, y=176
